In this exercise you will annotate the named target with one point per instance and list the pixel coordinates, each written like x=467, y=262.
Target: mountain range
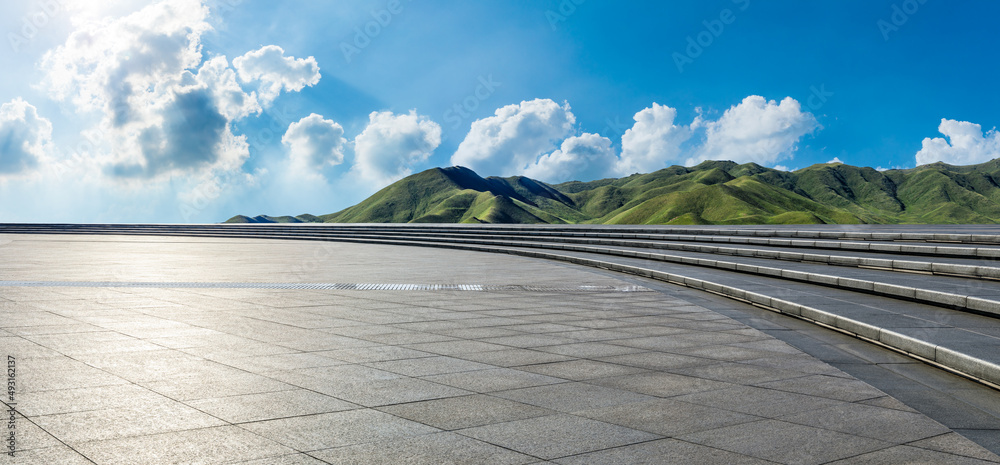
x=713, y=192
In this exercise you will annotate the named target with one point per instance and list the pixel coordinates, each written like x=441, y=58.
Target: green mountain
x=714, y=192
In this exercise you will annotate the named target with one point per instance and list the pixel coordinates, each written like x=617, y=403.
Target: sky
x=192, y=111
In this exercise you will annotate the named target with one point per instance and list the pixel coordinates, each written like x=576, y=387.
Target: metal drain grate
x=331, y=286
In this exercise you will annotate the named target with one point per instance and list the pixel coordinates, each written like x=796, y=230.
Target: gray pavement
x=302, y=376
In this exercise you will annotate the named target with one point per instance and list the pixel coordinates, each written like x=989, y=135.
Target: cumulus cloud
x=391, y=145
x=216, y=76
x=523, y=138
x=111, y=65
x=756, y=130
x=511, y=140
x=653, y=142
x=25, y=137
x=966, y=144
x=275, y=71
x=158, y=117
x=580, y=158
x=314, y=143
x=164, y=111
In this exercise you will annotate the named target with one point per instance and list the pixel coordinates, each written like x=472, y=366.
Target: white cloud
x=835, y=160
x=391, y=145
x=756, y=130
x=275, y=71
x=653, y=142
x=511, y=140
x=781, y=168
x=966, y=144
x=314, y=143
x=25, y=138
x=233, y=103
x=516, y=139
x=158, y=117
x=110, y=65
x=163, y=110
x=580, y=158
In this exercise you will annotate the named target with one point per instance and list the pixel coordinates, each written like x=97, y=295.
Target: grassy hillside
x=714, y=192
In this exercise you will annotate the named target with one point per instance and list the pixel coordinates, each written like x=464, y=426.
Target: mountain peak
x=713, y=192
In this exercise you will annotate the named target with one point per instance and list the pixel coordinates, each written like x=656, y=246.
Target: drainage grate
x=331, y=286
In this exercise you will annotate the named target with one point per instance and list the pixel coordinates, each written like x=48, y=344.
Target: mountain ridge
x=712, y=192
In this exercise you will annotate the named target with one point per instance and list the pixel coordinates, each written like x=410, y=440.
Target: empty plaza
x=149, y=350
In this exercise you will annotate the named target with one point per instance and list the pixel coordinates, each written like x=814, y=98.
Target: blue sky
x=193, y=111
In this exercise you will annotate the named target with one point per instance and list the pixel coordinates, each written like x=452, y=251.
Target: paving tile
x=148, y=418
x=572, y=397
x=390, y=391
x=303, y=367
x=456, y=347
x=323, y=431
x=263, y=365
x=884, y=424
x=497, y=379
x=767, y=403
x=555, y=436
x=785, y=442
x=907, y=454
x=28, y=435
x=667, y=417
x=798, y=362
x=33, y=378
x=579, y=370
x=660, y=384
x=92, y=343
x=657, y=360
x=465, y=411
x=738, y=373
x=209, y=385
x=270, y=405
x=514, y=357
x=428, y=366
x=88, y=398
x=374, y=354
x=662, y=451
x=527, y=341
x=590, y=349
x=291, y=459
x=479, y=333
x=430, y=449
x=62, y=455
x=953, y=443
x=888, y=402
x=209, y=445
x=152, y=365
x=832, y=387
x=22, y=348
x=69, y=327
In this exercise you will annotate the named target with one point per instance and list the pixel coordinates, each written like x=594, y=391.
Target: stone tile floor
x=168, y=375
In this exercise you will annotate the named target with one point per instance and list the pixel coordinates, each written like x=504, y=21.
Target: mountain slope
x=713, y=192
